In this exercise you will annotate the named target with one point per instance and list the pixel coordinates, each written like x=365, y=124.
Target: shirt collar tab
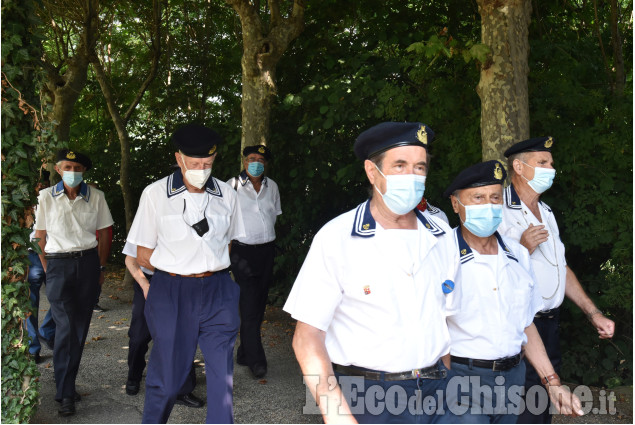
x=512, y=198
x=364, y=225
x=84, y=190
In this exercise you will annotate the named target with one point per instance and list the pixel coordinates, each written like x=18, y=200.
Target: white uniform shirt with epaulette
x=71, y=225
x=378, y=293
x=498, y=301
x=164, y=218
x=548, y=259
x=259, y=210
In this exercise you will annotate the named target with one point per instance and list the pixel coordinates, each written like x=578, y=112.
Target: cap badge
x=211, y=151
x=366, y=226
x=498, y=172
x=463, y=251
x=549, y=142
x=261, y=149
x=367, y=290
x=422, y=136
x=70, y=155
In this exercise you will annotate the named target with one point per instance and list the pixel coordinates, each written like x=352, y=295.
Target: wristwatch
x=102, y=268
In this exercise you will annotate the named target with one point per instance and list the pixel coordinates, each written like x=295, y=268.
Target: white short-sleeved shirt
x=548, y=259
x=380, y=302
x=71, y=225
x=259, y=210
x=162, y=224
x=131, y=250
x=436, y=213
x=498, y=301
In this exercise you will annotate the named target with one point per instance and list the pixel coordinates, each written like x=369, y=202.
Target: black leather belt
x=235, y=242
x=503, y=364
x=432, y=372
x=72, y=254
x=547, y=314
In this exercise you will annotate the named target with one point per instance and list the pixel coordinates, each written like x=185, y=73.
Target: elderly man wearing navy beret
x=374, y=291
x=182, y=230
x=528, y=220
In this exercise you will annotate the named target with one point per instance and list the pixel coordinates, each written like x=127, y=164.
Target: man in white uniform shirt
x=252, y=255
x=528, y=220
x=182, y=229
x=498, y=305
x=374, y=291
x=68, y=218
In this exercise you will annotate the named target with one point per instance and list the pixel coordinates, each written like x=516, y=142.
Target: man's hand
x=565, y=402
x=534, y=236
x=604, y=325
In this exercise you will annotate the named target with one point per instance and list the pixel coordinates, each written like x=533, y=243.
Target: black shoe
x=132, y=387
x=37, y=358
x=189, y=400
x=259, y=371
x=67, y=408
x=98, y=309
x=240, y=362
x=76, y=398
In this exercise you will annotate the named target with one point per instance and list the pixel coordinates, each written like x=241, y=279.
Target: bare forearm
x=135, y=271
x=143, y=257
x=103, y=246
x=575, y=293
x=41, y=235
x=536, y=353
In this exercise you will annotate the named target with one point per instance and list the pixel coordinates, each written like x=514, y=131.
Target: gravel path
x=276, y=399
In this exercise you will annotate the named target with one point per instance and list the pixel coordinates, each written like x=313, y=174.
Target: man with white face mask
x=374, y=291
x=494, y=323
x=182, y=230
x=531, y=222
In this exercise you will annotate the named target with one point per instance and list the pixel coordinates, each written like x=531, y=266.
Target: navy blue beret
x=80, y=158
x=259, y=149
x=388, y=135
x=482, y=174
x=196, y=141
x=537, y=144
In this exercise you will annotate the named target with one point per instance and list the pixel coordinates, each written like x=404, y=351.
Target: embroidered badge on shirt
x=367, y=290
x=447, y=286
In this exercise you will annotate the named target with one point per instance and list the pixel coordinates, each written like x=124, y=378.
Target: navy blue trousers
x=252, y=266
x=487, y=396
x=549, y=331
x=71, y=286
x=140, y=338
x=182, y=312
x=36, y=278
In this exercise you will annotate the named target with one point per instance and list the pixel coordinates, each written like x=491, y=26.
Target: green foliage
x=19, y=51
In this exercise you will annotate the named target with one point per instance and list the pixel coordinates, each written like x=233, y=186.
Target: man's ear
x=369, y=167
x=455, y=203
x=518, y=166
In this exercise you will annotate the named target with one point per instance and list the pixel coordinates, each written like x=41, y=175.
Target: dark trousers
x=549, y=331
x=71, y=286
x=182, y=312
x=140, y=337
x=36, y=278
x=252, y=266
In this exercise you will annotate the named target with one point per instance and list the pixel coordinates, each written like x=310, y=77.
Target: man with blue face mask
x=494, y=323
x=528, y=220
x=68, y=219
x=374, y=291
x=252, y=255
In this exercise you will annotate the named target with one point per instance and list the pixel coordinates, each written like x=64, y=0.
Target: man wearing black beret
x=374, y=291
x=531, y=222
x=71, y=223
x=182, y=230
x=498, y=304
x=252, y=255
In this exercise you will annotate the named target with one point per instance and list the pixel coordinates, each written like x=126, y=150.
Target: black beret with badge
x=388, y=135
x=69, y=155
x=259, y=149
x=196, y=141
x=537, y=144
x=481, y=174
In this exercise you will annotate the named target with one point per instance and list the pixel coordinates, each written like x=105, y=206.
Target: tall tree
x=503, y=84
x=264, y=43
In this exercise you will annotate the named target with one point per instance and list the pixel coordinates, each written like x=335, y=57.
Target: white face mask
x=543, y=178
x=196, y=178
x=403, y=191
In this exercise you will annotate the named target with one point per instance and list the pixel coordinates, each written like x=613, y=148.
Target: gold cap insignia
x=366, y=226
x=549, y=142
x=211, y=151
x=498, y=172
x=70, y=155
x=422, y=135
x=463, y=251
x=261, y=149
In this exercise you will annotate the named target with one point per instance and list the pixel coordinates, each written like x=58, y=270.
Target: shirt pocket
x=88, y=221
x=173, y=228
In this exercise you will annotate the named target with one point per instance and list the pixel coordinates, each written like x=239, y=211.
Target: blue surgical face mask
x=72, y=178
x=482, y=220
x=403, y=191
x=256, y=168
x=543, y=178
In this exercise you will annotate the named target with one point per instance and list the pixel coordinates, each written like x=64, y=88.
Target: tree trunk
x=503, y=84
x=263, y=46
x=618, y=58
